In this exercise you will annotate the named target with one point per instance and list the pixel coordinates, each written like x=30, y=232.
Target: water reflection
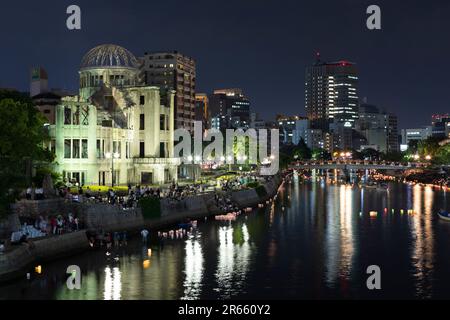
x=193, y=267
x=346, y=230
x=319, y=246
x=234, y=258
x=339, y=248
x=113, y=284
x=422, y=238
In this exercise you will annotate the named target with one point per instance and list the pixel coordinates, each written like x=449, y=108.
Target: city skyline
x=236, y=153
x=238, y=52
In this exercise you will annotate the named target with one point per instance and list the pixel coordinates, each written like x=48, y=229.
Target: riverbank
x=110, y=218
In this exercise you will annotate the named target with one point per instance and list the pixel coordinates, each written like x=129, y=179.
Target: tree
x=22, y=134
x=442, y=155
x=320, y=154
x=428, y=147
x=370, y=154
x=301, y=151
x=393, y=156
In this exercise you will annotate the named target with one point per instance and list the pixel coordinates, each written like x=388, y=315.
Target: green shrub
x=151, y=207
x=42, y=172
x=253, y=184
x=261, y=191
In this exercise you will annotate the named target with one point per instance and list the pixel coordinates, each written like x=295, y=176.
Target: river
x=314, y=242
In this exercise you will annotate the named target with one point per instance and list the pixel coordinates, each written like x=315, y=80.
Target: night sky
x=260, y=46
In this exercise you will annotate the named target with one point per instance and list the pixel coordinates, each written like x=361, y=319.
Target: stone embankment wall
x=19, y=258
x=54, y=206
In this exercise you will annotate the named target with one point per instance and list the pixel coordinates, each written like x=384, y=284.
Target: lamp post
x=229, y=158
x=113, y=156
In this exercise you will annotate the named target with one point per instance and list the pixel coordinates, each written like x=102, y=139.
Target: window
x=76, y=116
x=162, y=122
x=142, y=121
x=117, y=146
x=76, y=148
x=67, y=115
x=162, y=150
x=141, y=149
x=85, y=115
x=142, y=100
x=53, y=146
x=127, y=150
x=84, y=149
x=99, y=149
x=67, y=147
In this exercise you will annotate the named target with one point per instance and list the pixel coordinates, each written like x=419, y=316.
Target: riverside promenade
x=110, y=218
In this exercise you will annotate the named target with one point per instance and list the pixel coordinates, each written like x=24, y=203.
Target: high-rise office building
x=288, y=125
x=230, y=109
x=378, y=127
x=173, y=71
x=331, y=93
x=440, y=124
x=202, y=109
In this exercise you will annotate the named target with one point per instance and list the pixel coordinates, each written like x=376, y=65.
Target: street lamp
x=112, y=156
x=229, y=158
x=428, y=157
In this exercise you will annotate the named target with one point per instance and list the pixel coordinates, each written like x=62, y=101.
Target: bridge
x=356, y=165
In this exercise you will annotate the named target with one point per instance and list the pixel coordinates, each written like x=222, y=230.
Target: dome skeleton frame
x=109, y=55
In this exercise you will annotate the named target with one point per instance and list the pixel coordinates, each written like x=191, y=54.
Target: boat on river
x=444, y=215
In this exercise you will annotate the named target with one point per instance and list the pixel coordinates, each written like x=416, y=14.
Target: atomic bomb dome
x=109, y=56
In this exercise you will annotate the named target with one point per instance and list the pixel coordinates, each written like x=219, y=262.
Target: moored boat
x=444, y=215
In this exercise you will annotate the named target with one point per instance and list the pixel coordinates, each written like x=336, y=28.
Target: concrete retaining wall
x=54, y=206
x=245, y=198
x=16, y=261
x=9, y=225
x=112, y=218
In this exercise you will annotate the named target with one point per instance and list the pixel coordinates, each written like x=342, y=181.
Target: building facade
x=229, y=109
x=331, y=93
x=116, y=130
x=173, y=71
x=379, y=128
x=291, y=128
x=202, y=112
x=416, y=134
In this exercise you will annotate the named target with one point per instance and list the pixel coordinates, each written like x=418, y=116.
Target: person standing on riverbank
x=124, y=238
x=116, y=239
x=144, y=234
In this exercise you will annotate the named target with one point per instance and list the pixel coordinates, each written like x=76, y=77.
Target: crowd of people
x=224, y=203
x=46, y=225
x=108, y=239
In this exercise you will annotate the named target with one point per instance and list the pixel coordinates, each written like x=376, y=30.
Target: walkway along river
x=315, y=241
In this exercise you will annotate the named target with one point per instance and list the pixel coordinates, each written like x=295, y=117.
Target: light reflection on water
x=233, y=259
x=193, y=270
x=318, y=246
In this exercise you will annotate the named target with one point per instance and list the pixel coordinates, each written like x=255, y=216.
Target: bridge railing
x=361, y=163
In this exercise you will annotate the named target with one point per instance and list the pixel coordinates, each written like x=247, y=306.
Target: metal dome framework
x=109, y=56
